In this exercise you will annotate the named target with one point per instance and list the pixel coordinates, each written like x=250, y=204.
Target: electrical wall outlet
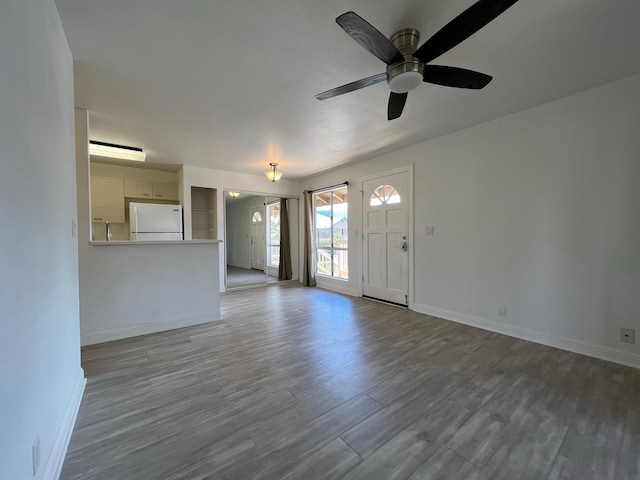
x=429, y=230
x=627, y=335
x=35, y=455
x=502, y=310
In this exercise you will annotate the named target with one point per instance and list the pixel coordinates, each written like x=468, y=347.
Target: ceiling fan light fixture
x=272, y=174
x=407, y=64
x=405, y=82
x=405, y=76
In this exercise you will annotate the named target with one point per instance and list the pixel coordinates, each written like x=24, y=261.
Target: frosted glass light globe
x=405, y=81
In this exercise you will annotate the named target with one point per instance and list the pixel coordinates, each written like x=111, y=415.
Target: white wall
x=41, y=381
x=228, y=181
x=537, y=211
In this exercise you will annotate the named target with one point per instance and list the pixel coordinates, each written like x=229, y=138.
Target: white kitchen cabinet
x=107, y=200
x=138, y=189
x=155, y=190
x=165, y=191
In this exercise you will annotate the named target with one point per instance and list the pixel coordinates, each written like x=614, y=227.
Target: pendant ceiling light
x=234, y=194
x=272, y=174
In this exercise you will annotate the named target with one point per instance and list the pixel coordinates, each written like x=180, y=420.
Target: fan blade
x=462, y=27
x=371, y=39
x=396, y=105
x=455, y=77
x=350, y=87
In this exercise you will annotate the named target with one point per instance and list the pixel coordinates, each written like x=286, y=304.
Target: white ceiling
x=230, y=84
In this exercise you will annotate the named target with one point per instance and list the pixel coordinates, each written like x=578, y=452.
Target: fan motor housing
x=406, y=75
x=406, y=40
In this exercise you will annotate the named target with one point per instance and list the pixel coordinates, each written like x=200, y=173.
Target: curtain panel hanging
x=284, y=267
x=308, y=271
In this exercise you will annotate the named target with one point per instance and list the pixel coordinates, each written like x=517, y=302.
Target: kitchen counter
x=104, y=243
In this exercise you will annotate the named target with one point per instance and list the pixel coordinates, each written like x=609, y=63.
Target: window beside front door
x=331, y=233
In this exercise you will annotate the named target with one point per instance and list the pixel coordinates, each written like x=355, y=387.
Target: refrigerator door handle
x=134, y=222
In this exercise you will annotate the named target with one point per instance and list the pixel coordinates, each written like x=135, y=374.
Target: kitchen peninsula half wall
x=137, y=288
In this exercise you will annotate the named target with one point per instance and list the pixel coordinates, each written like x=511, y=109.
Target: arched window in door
x=384, y=195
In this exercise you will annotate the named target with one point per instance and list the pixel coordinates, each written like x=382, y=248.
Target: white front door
x=258, y=243
x=385, y=206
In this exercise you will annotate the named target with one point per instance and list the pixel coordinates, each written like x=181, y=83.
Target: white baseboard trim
x=584, y=348
x=144, y=329
x=336, y=287
x=53, y=466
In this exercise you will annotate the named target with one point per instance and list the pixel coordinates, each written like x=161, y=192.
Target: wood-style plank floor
x=301, y=383
x=245, y=277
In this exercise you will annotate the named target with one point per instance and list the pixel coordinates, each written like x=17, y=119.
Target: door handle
x=404, y=246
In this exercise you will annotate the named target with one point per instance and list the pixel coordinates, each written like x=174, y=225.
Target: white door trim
x=404, y=169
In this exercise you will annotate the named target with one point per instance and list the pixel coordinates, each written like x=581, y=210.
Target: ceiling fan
x=407, y=65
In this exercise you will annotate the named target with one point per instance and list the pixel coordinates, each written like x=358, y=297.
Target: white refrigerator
x=149, y=221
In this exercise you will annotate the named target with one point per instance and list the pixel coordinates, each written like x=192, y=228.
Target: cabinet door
x=165, y=191
x=107, y=199
x=137, y=189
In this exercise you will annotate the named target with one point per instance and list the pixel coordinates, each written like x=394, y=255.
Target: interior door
x=258, y=241
x=386, y=238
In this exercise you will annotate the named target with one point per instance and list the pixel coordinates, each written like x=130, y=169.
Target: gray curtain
x=284, y=268
x=308, y=272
